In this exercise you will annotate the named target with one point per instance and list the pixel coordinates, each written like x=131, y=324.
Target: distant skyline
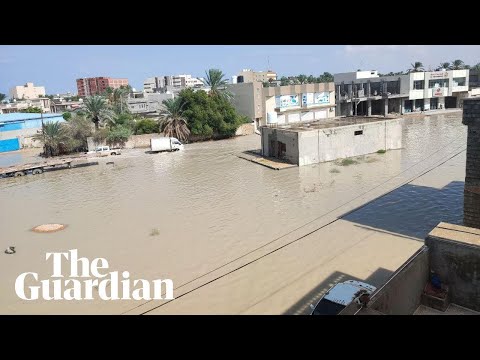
x=58, y=66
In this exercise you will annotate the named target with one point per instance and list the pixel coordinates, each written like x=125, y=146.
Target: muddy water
x=183, y=214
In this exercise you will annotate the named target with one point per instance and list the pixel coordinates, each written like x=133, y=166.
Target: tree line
x=106, y=117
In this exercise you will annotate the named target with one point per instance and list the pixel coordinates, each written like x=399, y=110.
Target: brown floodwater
x=180, y=215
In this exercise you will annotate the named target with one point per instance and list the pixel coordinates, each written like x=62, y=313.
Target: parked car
x=340, y=296
x=165, y=144
x=106, y=150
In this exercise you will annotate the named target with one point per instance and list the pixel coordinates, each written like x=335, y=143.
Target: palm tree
x=53, y=137
x=215, y=80
x=96, y=109
x=457, y=65
x=173, y=123
x=417, y=66
x=444, y=65
x=2, y=97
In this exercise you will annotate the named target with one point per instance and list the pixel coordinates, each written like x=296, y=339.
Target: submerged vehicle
x=165, y=144
x=340, y=296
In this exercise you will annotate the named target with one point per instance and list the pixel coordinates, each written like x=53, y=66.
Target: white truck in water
x=165, y=144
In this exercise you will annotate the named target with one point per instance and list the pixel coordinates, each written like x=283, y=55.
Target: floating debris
x=10, y=250
x=47, y=228
x=155, y=232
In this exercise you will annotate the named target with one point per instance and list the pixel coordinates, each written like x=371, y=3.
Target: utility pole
x=43, y=132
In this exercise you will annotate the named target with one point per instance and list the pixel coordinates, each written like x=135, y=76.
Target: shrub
x=146, y=126
x=119, y=135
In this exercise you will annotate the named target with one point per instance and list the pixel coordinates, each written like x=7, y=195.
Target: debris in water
x=155, y=232
x=46, y=228
x=10, y=250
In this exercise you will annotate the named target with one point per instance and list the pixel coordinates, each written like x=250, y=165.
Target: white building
x=367, y=93
x=159, y=83
x=27, y=91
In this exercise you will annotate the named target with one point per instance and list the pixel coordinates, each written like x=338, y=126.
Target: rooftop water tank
x=234, y=79
x=272, y=117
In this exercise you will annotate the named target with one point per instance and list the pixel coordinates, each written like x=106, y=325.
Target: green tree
x=444, y=65
x=97, y=110
x=54, y=138
x=310, y=79
x=457, y=65
x=327, y=77
x=284, y=81
x=78, y=129
x=210, y=116
x=215, y=79
x=2, y=97
x=146, y=126
x=173, y=122
x=67, y=115
x=119, y=135
x=31, y=109
x=302, y=79
x=124, y=119
x=417, y=66
x=476, y=67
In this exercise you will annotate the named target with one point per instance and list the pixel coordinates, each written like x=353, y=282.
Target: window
x=437, y=83
x=418, y=85
x=459, y=81
x=358, y=132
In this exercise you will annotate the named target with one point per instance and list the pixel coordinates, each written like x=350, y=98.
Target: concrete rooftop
x=331, y=123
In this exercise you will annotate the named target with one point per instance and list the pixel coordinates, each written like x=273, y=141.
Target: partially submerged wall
x=471, y=118
x=401, y=295
x=271, y=137
x=455, y=257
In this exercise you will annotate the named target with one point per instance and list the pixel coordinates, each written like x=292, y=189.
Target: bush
x=118, y=135
x=67, y=115
x=381, y=151
x=146, y=126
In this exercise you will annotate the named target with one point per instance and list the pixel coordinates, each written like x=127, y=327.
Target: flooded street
x=198, y=214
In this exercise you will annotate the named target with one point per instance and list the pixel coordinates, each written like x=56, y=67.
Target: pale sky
x=57, y=66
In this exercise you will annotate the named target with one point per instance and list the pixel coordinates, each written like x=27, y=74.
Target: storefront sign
x=438, y=91
x=438, y=75
x=286, y=101
x=322, y=98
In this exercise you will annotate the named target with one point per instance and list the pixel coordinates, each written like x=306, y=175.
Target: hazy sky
x=57, y=67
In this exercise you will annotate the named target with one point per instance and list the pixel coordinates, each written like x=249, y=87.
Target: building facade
x=19, y=106
x=160, y=83
x=97, y=85
x=248, y=76
x=366, y=93
x=27, y=91
x=147, y=104
x=248, y=100
x=283, y=105
x=17, y=129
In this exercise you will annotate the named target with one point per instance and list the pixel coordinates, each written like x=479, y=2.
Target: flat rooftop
x=331, y=123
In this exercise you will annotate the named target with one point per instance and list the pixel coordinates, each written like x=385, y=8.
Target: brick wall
x=471, y=118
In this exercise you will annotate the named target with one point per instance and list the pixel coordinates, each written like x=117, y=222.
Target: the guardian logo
x=84, y=277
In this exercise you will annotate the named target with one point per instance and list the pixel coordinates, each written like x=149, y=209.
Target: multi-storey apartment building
x=97, y=85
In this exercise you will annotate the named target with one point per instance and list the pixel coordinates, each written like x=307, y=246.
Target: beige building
x=27, y=91
x=20, y=106
x=248, y=76
x=283, y=104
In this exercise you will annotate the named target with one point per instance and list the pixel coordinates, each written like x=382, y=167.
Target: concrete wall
x=455, y=257
x=471, y=118
x=401, y=295
x=341, y=142
x=289, y=138
x=247, y=98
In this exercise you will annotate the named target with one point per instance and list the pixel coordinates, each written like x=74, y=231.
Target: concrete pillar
x=369, y=105
x=350, y=90
x=368, y=89
x=471, y=207
x=338, y=98
x=350, y=108
x=385, y=103
x=400, y=109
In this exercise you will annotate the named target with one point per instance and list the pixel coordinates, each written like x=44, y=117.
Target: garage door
x=9, y=145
